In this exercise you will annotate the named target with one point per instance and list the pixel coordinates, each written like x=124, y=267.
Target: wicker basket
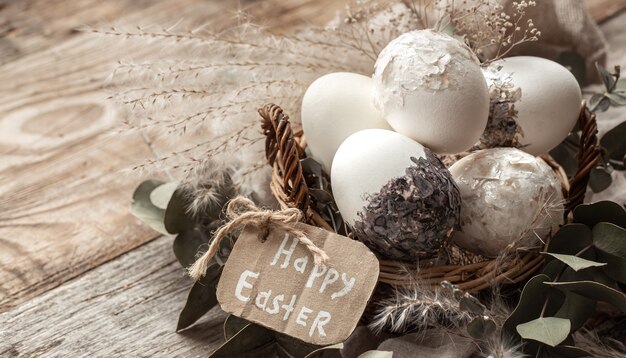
x=472, y=273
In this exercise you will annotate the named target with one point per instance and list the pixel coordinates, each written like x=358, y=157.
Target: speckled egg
x=508, y=197
x=547, y=101
x=399, y=198
x=429, y=87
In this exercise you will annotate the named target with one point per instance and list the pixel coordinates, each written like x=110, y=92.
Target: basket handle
x=588, y=157
x=284, y=152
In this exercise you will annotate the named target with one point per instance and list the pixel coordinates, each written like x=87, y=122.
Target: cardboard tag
x=277, y=284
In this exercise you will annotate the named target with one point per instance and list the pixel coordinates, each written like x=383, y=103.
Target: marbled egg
x=399, y=198
x=508, y=197
x=429, y=87
x=548, y=104
x=335, y=106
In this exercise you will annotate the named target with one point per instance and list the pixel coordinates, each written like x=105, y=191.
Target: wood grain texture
x=125, y=308
x=602, y=10
x=63, y=200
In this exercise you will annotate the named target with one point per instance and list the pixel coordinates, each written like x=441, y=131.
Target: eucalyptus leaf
x=616, y=266
x=481, y=327
x=607, y=79
x=333, y=351
x=617, y=98
x=566, y=351
x=548, y=330
x=143, y=208
x=576, y=263
x=593, y=290
x=578, y=309
x=202, y=297
x=253, y=341
x=471, y=304
x=291, y=347
x=603, y=105
x=599, y=179
x=610, y=238
x=615, y=142
x=621, y=84
x=595, y=99
x=187, y=246
x=377, y=354
x=571, y=239
x=162, y=194
x=177, y=218
x=233, y=325
x=531, y=303
x=601, y=211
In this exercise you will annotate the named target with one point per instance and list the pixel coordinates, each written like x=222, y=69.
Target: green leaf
x=471, y=304
x=601, y=211
x=621, y=84
x=177, y=219
x=615, y=143
x=481, y=327
x=607, y=79
x=253, y=341
x=576, y=263
x=617, y=98
x=333, y=351
x=616, y=266
x=604, y=105
x=593, y=290
x=599, y=179
x=187, y=246
x=377, y=354
x=595, y=99
x=202, y=297
x=162, y=194
x=233, y=325
x=571, y=239
x=566, y=351
x=578, y=309
x=610, y=238
x=547, y=330
x=143, y=208
x=531, y=303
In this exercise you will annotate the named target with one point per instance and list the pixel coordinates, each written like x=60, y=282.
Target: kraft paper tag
x=277, y=284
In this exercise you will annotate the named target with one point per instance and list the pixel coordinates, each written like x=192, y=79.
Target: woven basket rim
x=284, y=149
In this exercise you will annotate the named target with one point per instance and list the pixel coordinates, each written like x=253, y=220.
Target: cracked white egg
x=508, y=197
x=429, y=87
x=335, y=106
x=549, y=104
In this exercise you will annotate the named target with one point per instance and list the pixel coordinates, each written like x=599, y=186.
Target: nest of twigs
x=284, y=150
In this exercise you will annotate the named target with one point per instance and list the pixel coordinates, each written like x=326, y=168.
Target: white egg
x=507, y=197
x=399, y=198
x=429, y=87
x=335, y=106
x=549, y=104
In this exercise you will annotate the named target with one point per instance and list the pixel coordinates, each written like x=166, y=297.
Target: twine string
x=242, y=212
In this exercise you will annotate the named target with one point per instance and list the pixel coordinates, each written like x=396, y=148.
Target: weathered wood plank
x=602, y=10
x=63, y=201
x=125, y=308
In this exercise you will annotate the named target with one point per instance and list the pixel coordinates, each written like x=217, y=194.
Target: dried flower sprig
x=488, y=29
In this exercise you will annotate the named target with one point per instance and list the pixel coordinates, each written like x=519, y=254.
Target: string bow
x=242, y=212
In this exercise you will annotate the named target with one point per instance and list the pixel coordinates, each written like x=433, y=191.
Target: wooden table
x=78, y=274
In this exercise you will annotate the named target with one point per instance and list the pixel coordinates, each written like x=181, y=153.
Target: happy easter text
x=321, y=278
